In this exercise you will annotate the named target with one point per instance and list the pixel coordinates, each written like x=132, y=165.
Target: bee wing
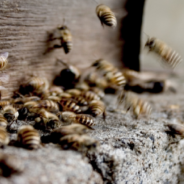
x=4, y=55
x=5, y=78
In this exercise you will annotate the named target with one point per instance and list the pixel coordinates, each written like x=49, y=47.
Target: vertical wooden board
x=24, y=26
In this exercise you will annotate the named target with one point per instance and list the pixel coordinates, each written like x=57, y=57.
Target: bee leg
x=104, y=116
x=57, y=46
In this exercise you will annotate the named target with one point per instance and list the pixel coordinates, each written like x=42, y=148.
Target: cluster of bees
x=67, y=109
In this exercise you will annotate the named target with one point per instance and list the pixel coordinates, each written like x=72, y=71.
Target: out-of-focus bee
x=82, y=143
x=98, y=91
x=71, y=117
x=116, y=78
x=28, y=137
x=83, y=86
x=176, y=129
x=96, y=108
x=4, y=103
x=68, y=130
x=3, y=60
x=171, y=57
x=4, y=137
x=47, y=120
x=54, y=98
x=55, y=90
x=138, y=105
x=85, y=97
x=10, y=113
x=70, y=73
x=106, y=15
x=10, y=164
x=73, y=92
x=3, y=121
x=69, y=105
x=104, y=66
x=64, y=95
x=49, y=105
x=35, y=85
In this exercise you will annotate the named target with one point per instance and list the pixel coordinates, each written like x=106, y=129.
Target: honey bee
x=83, y=86
x=96, y=108
x=73, y=92
x=55, y=90
x=10, y=113
x=4, y=137
x=47, y=120
x=28, y=137
x=54, y=98
x=3, y=60
x=104, y=66
x=176, y=128
x=171, y=57
x=106, y=15
x=85, y=97
x=98, y=91
x=10, y=164
x=138, y=105
x=70, y=117
x=68, y=130
x=4, y=103
x=3, y=121
x=69, y=105
x=64, y=95
x=82, y=143
x=49, y=105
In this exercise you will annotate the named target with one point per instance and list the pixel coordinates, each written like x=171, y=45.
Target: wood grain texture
x=25, y=24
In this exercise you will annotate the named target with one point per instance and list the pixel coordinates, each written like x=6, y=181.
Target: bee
x=49, y=105
x=68, y=130
x=171, y=57
x=73, y=92
x=71, y=117
x=4, y=103
x=3, y=121
x=176, y=128
x=28, y=137
x=35, y=85
x=98, y=91
x=82, y=143
x=106, y=15
x=83, y=86
x=3, y=60
x=55, y=90
x=116, y=78
x=10, y=113
x=64, y=95
x=69, y=105
x=85, y=97
x=96, y=108
x=4, y=137
x=47, y=120
x=104, y=66
x=10, y=164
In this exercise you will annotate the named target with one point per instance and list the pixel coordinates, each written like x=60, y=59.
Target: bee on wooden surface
x=10, y=113
x=71, y=117
x=49, y=105
x=3, y=121
x=85, y=97
x=28, y=137
x=3, y=60
x=96, y=108
x=68, y=130
x=4, y=137
x=47, y=120
x=98, y=91
x=116, y=78
x=106, y=15
x=69, y=105
x=70, y=74
x=82, y=143
x=35, y=85
x=10, y=164
x=104, y=66
x=171, y=57
x=176, y=129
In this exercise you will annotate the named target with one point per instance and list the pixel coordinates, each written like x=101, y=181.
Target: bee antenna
x=146, y=35
x=62, y=62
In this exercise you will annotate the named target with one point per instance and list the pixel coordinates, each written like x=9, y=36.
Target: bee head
x=62, y=27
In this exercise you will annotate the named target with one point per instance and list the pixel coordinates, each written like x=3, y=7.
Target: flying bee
x=3, y=60
x=106, y=15
x=10, y=113
x=47, y=120
x=4, y=137
x=3, y=121
x=116, y=78
x=71, y=117
x=85, y=97
x=171, y=57
x=35, y=85
x=68, y=130
x=28, y=137
x=69, y=105
x=96, y=108
x=103, y=66
x=10, y=164
x=49, y=105
x=82, y=143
